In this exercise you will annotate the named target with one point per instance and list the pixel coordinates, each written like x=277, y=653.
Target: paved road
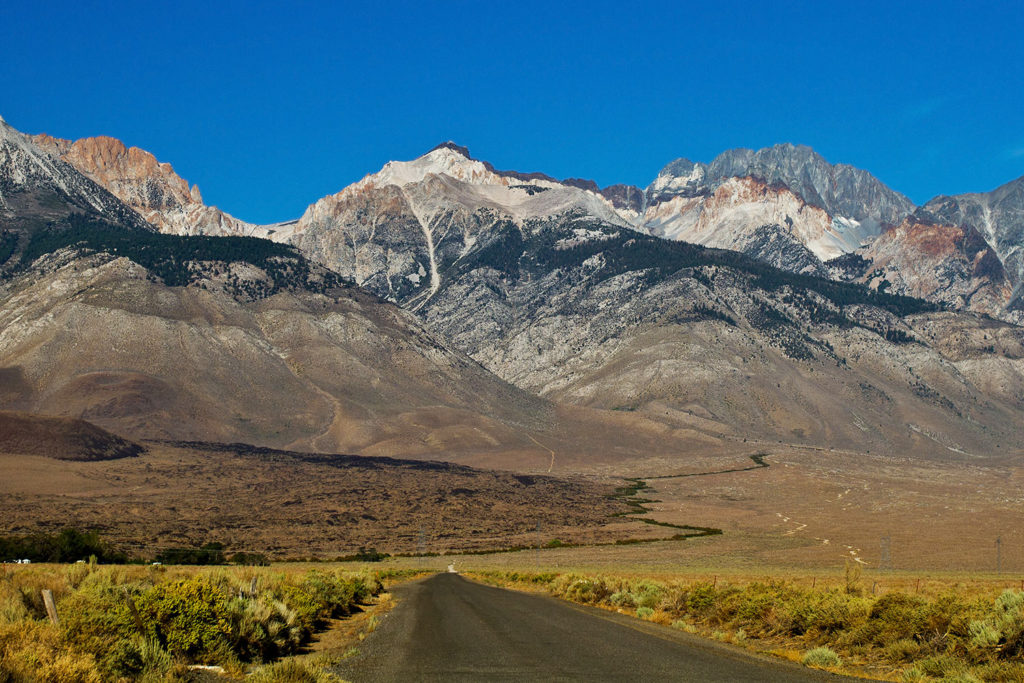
x=447, y=628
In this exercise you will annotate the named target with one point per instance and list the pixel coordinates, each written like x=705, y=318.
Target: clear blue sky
x=270, y=106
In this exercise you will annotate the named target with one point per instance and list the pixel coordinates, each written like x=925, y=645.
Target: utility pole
x=885, y=557
x=999, y=554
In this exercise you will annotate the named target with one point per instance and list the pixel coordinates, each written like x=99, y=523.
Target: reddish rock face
x=152, y=188
x=945, y=263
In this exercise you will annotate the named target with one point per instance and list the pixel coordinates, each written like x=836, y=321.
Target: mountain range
x=441, y=303
x=784, y=205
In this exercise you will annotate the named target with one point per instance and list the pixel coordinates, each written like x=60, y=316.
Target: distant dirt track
x=447, y=628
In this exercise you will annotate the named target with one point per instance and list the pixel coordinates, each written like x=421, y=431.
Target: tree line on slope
x=544, y=247
x=179, y=260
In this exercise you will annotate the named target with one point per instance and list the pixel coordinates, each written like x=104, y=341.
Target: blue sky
x=271, y=106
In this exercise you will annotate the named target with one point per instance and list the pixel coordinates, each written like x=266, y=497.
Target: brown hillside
x=293, y=504
x=61, y=438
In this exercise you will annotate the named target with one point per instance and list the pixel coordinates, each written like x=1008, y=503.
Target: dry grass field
x=289, y=505
x=816, y=508
x=809, y=509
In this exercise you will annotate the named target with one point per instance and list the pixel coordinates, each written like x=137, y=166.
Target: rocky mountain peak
x=582, y=183
x=840, y=189
x=114, y=165
x=785, y=205
x=35, y=183
x=997, y=215
x=464, y=151
x=447, y=159
x=150, y=187
x=440, y=160
x=681, y=177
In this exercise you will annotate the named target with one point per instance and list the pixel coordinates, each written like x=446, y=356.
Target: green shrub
x=582, y=589
x=321, y=596
x=293, y=671
x=96, y=619
x=940, y=666
x=821, y=658
x=684, y=626
x=263, y=628
x=903, y=650
x=622, y=599
x=644, y=612
x=820, y=613
x=753, y=604
x=190, y=618
x=700, y=598
x=1003, y=631
x=646, y=593
x=896, y=616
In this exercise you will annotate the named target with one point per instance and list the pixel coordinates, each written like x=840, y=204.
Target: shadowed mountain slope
x=60, y=438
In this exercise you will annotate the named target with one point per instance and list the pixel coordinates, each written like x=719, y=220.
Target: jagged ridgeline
x=176, y=260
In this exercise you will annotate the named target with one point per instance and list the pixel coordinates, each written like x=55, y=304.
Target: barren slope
x=295, y=504
x=97, y=338
x=60, y=438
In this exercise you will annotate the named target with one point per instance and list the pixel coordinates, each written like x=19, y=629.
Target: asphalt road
x=446, y=628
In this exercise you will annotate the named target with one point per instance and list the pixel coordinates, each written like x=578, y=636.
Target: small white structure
x=451, y=569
